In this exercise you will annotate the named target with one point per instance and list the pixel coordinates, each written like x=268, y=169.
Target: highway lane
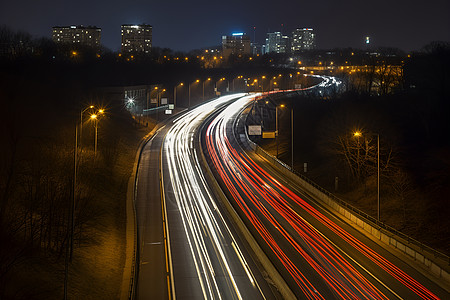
x=152, y=276
x=185, y=265
x=208, y=259
x=319, y=256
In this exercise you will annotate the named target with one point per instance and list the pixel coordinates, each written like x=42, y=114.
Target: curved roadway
x=319, y=256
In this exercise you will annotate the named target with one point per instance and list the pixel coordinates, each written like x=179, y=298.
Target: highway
x=187, y=248
x=319, y=256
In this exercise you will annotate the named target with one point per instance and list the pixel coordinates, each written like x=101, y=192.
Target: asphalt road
x=152, y=276
x=319, y=256
x=188, y=249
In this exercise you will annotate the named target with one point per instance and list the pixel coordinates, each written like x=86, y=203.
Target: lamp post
x=292, y=139
x=223, y=79
x=238, y=77
x=154, y=90
x=95, y=118
x=209, y=79
x=276, y=124
x=378, y=177
x=81, y=123
x=358, y=134
x=175, y=94
x=189, y=103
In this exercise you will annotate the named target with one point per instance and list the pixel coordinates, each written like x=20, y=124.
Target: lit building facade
x=276, y=43
x=303, y=39
x=79, y=35
x=237, y=43
x=136, y=38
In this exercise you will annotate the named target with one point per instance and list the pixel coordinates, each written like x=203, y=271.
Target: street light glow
x=357, y=133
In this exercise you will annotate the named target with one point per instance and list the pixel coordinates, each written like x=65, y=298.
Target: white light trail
x=201, y=219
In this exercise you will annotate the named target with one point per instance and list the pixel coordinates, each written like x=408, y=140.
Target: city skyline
x=205, y=23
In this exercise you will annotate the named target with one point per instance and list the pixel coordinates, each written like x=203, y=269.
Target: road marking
x=167, y=250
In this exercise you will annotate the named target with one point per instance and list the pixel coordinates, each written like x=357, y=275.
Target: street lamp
x=69, y=247
x=175, y=94
x=155, y=89
x=222, y=79
x=81, y=123
x=359, y=134
x=197, y=81
x=95, y=118
x=209, y=79
x=276, y=124
x=238, y=77
x=158, y=96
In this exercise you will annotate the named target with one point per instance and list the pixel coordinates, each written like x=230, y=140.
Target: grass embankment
x=32, y=259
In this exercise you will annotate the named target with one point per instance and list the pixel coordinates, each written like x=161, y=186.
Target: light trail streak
x=205, y=228
x=265, y=202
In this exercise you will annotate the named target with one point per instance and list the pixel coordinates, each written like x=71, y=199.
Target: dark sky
x=186, y=25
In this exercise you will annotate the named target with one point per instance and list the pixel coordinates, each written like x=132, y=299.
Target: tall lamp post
x=222, y=79
x=276, y=124
x=238, y=77
x=81, y=123
x=358, y=134
x=209, y=79
x=292, y=138
x=197, y=81
x=262, y=83
x=95, y=117
x=175, y=94
x=69, y=247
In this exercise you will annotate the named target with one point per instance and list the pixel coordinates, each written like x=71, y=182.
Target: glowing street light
x=81, y=123
x=175, y=94
x=189, y=103
x=359, y=134
x=209, y=79
x=95, y=118
x=276, y=124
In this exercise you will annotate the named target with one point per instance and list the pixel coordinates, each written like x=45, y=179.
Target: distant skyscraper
x=276, y=42
x=79, y=35
x=303, y=39
x=136, y=38
x=237, y=43
x=256, y=48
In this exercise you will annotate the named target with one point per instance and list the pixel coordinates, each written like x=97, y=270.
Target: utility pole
x=292, y=139
x=378, y=175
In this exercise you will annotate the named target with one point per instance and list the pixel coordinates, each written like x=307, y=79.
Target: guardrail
x=437, y=262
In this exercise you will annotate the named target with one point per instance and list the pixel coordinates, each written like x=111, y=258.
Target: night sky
x=187, y=25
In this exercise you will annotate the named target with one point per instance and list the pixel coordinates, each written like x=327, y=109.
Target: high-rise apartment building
x=276, y=42
x=303, y=39
x=136, y=38
x=237, y=43
x=79, y=35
